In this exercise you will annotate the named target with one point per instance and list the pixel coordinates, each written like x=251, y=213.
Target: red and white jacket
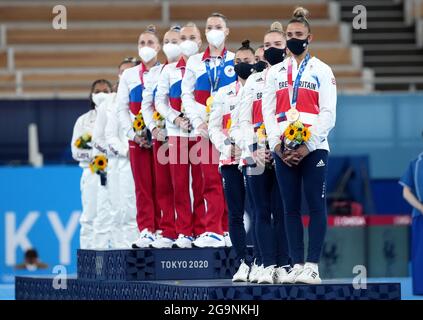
x=196, y=87
x=130, y=96
x=225, y=102
x=168, y=96
x=149, y=95
x=316, y=101
x=250, y=116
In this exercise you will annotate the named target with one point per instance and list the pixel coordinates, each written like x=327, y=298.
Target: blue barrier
x=40, y=209
x=386, y=127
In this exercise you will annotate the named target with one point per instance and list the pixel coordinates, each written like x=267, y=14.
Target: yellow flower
x=86, y=137
x=261, y=132
x=138, y=123
x=291, y=132
x=306, y=134
x=157, y=116
x=229, y=124
x=99, y=163
x=78, y=143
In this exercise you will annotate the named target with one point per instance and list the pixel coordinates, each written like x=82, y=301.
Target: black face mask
x=274, y=55
x=260, y=66
x=244, y=70
x=297, y=46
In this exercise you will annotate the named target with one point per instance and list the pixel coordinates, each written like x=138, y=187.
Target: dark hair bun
x=246, y=44
x=301, y=12
x=151, y=28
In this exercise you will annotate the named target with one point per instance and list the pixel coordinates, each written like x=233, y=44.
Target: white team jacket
x=83, y=125
x=225, y=102
x=168, y=96
x=249, y=116
x=99, y=139
x=116, y=139
x=316, y=102
x=149, y=95
x=196, y=87
x=130, y=96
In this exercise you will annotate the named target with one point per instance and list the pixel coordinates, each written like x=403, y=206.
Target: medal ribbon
x=215, y=83
x=293, y=90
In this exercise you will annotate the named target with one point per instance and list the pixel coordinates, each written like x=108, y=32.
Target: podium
x=180, y=274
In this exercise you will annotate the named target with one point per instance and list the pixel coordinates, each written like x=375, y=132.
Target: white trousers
x=125, y=228
x=89, y=185
x=103, y=220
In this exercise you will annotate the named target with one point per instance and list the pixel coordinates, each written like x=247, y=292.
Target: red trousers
x=164, y=189
x=142, y=165
x=190, y=219
x=216, y=216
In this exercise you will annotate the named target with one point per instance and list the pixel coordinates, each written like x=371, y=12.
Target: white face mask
x=147, y=54
x=189, y=48
x=99, y=98
x=215, y=37
x=172, y=51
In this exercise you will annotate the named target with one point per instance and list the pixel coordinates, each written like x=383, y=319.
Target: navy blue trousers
x=235, y=196
x=417, y=254
x=270, y=223
x=310, y=174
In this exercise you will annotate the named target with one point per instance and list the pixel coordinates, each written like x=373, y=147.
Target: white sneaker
x=183, y=242
x=267, y=275
x=310, y=274
x=252, y=277
x=145, y=239
x=209, y=240
x=281, y=274
x=242, y=274
x=162, y=242
x=228, y=241
x=293, y=273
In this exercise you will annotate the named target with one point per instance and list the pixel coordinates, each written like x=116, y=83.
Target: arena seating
x=35, y=58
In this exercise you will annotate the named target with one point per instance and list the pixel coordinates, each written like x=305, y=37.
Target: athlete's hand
x=300, y=154
x=203, y=130
x=235, y=152
x=183, y=123
x=288, y=156
x=138, y=140
x=159, y=134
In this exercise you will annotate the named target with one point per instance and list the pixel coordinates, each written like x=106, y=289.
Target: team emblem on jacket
x=230, y=71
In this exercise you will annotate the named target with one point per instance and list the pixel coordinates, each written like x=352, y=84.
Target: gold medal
x=209, y=103
x=292, y=115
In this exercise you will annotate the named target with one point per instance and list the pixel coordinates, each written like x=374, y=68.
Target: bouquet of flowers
x=261, y=134
x=296, y=134
x=159, y=120
x=84, y=142
x=141, y=130
x=98, y=166
x=139, y=124
x=262, y=141
x=209, y=103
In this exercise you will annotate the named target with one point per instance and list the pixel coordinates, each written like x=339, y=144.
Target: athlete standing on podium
x=129, y=104
x=190, y=219
x=205, y=74
x=301, y=88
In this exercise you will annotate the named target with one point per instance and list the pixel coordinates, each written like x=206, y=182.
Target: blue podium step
x=28, y=288
x=157, y=264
